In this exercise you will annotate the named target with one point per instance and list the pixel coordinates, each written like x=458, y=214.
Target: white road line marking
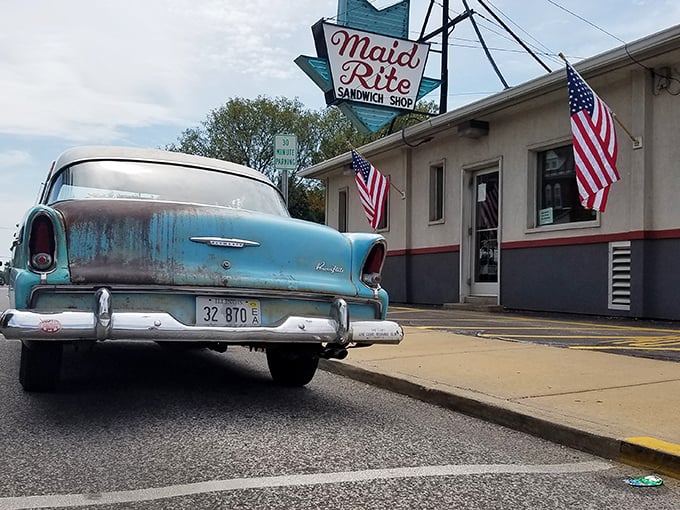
x=171, y=491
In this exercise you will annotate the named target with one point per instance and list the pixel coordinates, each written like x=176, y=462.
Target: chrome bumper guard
x=105, y=324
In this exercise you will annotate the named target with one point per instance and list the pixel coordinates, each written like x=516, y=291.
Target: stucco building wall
x=564, y=267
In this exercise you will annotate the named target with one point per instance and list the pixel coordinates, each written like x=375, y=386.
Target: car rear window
x=164, y=182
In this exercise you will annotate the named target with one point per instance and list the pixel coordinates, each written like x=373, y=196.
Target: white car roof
x=94, y=153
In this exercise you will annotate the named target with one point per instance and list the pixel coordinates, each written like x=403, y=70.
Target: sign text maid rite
x=374, y=69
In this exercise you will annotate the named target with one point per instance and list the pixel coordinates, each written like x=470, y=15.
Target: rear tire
x=40, y=365
x=292, y=365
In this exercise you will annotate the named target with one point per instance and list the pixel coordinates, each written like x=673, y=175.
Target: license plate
x=217, y=311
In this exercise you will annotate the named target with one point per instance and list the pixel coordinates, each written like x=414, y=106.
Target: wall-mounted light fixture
x=473, y=128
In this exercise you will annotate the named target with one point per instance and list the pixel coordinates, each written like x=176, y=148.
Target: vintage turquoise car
x=150, y=245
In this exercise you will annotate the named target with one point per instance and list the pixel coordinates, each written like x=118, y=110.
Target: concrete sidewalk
x=618, y=407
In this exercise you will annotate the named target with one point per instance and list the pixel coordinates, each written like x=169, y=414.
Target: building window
x=557, y=193
x=384, y=224
x=342, y=210
x=436, y=193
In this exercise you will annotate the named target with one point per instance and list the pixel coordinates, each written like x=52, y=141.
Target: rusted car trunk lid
x=139, y=242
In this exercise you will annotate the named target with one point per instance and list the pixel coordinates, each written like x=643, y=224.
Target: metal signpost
x=285, y=159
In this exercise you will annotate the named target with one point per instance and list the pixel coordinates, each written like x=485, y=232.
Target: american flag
x=594, y=137
x=372, y=187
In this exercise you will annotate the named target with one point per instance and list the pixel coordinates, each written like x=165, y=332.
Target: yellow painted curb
x=648, y=452
x=655, y=444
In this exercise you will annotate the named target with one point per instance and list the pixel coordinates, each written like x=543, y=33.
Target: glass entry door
x=484, y=263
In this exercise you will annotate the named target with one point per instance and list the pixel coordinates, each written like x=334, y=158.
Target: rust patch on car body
x=143, y=242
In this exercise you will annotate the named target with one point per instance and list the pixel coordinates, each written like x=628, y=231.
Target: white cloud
x=86, y=70
x=14, y=158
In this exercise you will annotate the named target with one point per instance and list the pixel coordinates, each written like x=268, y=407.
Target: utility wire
x=502, y=32
x=474, y=45
x=477, y=45
x=586, y=21
x=625, y=47
x=510, y=20
x=532, y=51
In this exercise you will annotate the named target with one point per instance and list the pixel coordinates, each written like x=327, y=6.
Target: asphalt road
x=651, y=339
x=138, y=427
x=135, y=426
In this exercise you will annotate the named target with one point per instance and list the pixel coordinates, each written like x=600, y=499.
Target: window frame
x=436, y=194
x=343, y=219
x=534, y=182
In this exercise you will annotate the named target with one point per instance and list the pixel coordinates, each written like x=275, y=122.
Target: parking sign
x=285, y=152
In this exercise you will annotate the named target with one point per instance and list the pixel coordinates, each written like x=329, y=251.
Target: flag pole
x=630, y=135
x=636, y=142
x=403, y=195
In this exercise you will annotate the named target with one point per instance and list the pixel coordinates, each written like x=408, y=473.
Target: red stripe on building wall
x=637, y=235
x=673, y=233
x=425, y=251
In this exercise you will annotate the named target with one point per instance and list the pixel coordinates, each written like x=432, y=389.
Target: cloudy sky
x=130, y=72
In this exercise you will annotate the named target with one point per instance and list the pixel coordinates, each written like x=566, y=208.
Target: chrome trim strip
x=224, y=242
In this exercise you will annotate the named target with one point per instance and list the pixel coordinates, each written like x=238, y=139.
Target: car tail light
x=370, y=273
x=41, y=244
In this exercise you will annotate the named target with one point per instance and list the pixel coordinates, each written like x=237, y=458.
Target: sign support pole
x=444, y=87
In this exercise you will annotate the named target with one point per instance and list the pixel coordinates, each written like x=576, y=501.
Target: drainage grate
x=619, y=275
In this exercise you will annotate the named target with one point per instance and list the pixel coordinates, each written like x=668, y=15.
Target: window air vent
x=619, y=275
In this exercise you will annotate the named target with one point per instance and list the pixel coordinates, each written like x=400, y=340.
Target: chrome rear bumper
x=105, y=324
